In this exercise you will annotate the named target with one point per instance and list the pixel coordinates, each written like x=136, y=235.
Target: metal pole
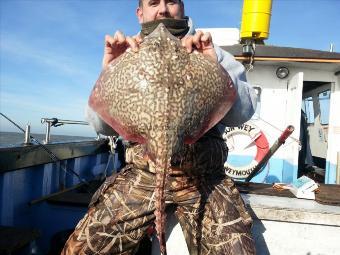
x=48, y=133
x=338, y=168
x=58, y=122
x=27, y=135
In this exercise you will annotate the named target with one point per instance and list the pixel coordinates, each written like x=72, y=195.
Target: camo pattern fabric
x=208, y=206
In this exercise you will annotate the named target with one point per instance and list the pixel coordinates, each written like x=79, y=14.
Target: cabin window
x=324, y=99
x=308, y=108
x=258, y=91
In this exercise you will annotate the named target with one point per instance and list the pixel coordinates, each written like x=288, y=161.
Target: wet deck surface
x=328, y=194
x=13, y=238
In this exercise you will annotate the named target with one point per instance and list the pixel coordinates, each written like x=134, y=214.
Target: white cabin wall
x=274, y=93
x=333, y=133
x=318, y=75
x=273, y=107
x=272, y=121
x=273, y=103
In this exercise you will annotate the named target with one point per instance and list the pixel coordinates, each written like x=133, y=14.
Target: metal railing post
x=27, y=140
x=54, y=122
x=338, y=168
x=48, y=133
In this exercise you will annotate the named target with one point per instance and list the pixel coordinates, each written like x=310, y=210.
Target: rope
x=278, y=129
x=250, y=66
x=113, y=145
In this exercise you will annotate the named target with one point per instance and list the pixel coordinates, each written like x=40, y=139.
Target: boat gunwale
x=15, y=158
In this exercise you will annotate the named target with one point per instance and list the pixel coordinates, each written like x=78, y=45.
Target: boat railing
x=54, y=122
x=338, y=168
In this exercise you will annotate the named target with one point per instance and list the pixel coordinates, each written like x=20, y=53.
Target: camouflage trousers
x=208, y=206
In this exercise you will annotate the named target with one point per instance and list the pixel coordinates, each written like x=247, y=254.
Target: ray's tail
x=161, y=148
x=161, y=176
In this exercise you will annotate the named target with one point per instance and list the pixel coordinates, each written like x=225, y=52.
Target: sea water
x=9, y=139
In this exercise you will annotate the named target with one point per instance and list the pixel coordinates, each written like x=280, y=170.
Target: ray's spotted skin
x=165, y=99
x=162, y=97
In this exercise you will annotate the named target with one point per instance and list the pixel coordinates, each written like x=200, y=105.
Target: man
x=205, y=201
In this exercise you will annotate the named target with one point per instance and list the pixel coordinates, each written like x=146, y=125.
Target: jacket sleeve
x=245, y=104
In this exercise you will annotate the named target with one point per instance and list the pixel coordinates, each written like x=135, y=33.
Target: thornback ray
x=163, y=97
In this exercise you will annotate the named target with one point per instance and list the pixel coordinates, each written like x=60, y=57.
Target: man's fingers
x=206, y=37
x=187, y=43
x=132, y=43
x=200, y=41
x=138, y=38
x=109, y=40
x=197, y=38
x=207, y=41
x=120, y=37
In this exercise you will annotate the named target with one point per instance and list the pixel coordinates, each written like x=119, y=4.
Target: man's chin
x=165, y=18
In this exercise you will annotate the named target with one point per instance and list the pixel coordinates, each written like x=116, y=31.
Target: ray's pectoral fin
x=161, y=96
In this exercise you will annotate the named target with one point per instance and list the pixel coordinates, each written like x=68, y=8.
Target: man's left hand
x=202, y=42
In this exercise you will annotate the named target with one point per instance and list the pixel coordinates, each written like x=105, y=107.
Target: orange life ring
x=262, y=145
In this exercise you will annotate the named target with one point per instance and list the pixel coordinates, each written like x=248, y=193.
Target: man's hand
x=202, y=42
x=118, y=44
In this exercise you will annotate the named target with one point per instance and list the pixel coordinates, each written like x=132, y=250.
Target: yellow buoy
x=256, y=16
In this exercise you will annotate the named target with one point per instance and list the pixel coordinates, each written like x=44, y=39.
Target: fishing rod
x=50, y=153
x=281, y=140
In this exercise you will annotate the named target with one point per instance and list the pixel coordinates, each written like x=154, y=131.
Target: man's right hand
x=118, y=44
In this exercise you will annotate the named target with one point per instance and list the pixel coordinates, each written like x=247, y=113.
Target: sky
x=51, y=50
